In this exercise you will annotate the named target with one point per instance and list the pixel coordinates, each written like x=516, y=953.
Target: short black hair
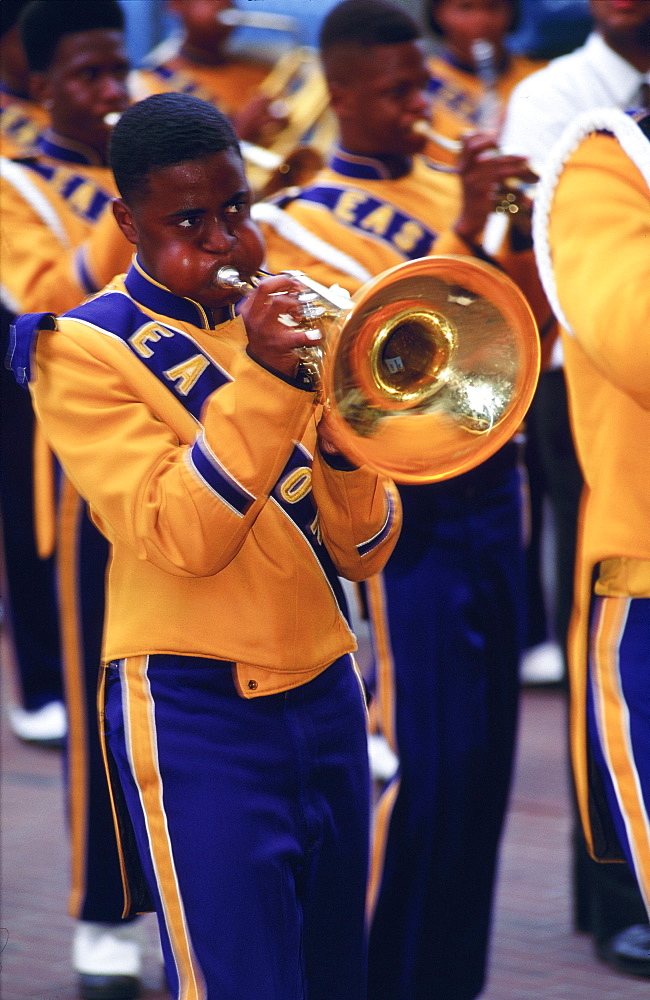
x=45, y=22
x=366, y=23
x=431, y=6
x=161, y=131
x=10, y=11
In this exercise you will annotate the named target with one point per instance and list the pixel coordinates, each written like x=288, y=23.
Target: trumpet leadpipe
x=422, y=127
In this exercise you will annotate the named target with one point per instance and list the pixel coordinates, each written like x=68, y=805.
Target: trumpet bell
x=432, y=370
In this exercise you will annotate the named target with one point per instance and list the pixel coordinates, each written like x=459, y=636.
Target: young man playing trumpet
x=231, y=705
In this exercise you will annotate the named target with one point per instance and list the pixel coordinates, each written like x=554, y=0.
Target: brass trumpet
x=296, y=89
x=514, y=190
x=427, y=370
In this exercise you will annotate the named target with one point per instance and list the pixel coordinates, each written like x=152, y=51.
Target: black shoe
x=629, y=951
x=93, y=987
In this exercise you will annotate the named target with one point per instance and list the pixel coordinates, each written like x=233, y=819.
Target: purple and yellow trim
x=212, y=474
x=364, y=548
x=613, y=722
x=141, y=745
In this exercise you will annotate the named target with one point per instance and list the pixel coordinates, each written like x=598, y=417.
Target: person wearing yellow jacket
x=39, y=714
x=448, y=610
x=22, y=119
x=592, y=226
x=59, y=243
x=274, y=94
x=472, y=71
x=231, y=706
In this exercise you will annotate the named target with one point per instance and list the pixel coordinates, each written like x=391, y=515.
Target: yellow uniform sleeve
x=602, y=203
x=359, y=516
x=48, y=253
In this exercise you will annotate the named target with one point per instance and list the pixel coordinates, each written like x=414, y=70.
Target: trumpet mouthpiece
x=229, y=277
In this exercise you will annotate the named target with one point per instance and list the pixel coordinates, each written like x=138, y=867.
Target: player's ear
x=40, y=89
x=339, y=98
x=124, y=218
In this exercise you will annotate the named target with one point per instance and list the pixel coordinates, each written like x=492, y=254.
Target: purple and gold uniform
x=591, y=229
x=60, y=242
x=447, y=615
x=229, y=85
x=458, y=95
x=295, y=81
x=226, y=636
x=354, y=221
x=22, y=122
x=58, y=231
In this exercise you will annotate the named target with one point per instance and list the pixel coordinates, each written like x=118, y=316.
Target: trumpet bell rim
x=405, y=432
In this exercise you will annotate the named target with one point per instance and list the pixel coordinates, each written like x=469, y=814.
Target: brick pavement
x=535, y=954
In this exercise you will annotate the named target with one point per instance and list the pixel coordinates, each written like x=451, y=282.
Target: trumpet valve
x=311, y=307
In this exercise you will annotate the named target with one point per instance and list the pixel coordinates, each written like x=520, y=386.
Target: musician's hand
x=484, y=175
x=260, y=120
x=266, y=312
x=326, y=437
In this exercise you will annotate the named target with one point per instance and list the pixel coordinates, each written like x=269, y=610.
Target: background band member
x=448, y=611
x=60, y=243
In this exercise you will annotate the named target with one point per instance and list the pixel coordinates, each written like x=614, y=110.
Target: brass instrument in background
x=299, y=99
x=427, y=370
x=515, y=192
x=236, y=17
x=297, y=89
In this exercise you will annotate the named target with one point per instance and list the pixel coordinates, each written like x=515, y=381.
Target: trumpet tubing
x=422, y=127
x=427, y=370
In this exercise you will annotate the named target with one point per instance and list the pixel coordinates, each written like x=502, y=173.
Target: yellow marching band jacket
x=59, y=242
x=228, y=528
x=461, y=100
x=21, y=123
x=592, y=240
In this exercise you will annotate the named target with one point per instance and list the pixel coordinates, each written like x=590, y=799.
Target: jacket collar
x=149, y=293
x=370, y=168
x=59, y=147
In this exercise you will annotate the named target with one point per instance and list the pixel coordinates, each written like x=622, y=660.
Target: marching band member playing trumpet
x=59, y=243
x=448, y=611
x=231, y=705
x=472, y=71
x=203, y=62
x=22, y=119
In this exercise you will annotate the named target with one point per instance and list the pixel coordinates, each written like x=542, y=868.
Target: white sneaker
x=48, y=724
x=383, y=762
x=107, y=949
x=542, y=664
